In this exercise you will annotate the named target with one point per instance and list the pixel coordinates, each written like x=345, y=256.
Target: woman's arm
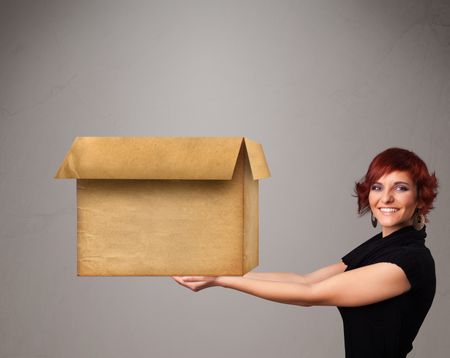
x=325, y=272
x=312, y=277
x=276, y=276
x=294, y=293
x=358, y=287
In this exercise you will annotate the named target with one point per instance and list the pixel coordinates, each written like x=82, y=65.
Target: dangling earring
x=373, y=219
x=418, y=220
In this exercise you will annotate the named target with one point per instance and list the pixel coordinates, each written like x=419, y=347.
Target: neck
x=389, y=230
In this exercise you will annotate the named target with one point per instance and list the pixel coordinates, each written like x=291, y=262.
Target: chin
x=388, y=223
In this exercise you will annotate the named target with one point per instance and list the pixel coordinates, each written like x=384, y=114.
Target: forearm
x=293, y=293
x=276, y=276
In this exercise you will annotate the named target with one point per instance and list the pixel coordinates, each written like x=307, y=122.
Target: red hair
x=398, y=159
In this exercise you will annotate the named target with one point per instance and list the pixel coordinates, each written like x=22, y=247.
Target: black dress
x=387, y=329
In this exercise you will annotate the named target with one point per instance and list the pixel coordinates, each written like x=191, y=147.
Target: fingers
x=193, y=278
x=193, y=285
x=198, y=278
x=178, y=279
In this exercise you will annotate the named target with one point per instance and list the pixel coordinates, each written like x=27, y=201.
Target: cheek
x=409, y=199
x=410, y=203
x=412, y=206
x=372, y=200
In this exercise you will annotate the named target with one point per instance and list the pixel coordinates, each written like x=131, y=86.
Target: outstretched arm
x=358, y=287
x=276, y=276
x=312, y=277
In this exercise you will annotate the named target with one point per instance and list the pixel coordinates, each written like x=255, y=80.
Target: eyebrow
x=397, y=182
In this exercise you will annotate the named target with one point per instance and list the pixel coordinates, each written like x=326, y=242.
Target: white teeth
x=388, y=210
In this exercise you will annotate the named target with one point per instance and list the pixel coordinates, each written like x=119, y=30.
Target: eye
x=375, y=187
x=401, y=188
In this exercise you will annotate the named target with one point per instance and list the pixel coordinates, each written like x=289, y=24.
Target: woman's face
x=393, y=200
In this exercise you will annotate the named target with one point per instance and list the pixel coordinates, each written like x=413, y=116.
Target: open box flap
x=257, y=159
x=159, y=158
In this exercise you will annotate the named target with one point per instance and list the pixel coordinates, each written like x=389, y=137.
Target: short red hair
x=398, y=159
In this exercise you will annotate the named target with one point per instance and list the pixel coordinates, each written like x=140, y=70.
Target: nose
x=387, y=197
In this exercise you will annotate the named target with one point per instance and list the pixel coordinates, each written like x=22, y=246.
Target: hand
x=197, y=283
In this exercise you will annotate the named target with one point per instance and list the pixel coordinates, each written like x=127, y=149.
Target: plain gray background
x=323, y=85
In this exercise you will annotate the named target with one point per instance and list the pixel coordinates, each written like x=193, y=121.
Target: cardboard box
x=157, y=206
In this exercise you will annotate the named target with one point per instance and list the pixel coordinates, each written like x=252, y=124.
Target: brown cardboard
x=157, y=206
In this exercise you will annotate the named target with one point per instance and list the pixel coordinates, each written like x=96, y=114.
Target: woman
x=383, y=288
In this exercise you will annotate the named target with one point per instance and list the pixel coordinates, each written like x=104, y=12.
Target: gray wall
x=323, y=85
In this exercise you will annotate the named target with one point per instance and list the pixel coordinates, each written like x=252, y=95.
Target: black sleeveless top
x=387, y=329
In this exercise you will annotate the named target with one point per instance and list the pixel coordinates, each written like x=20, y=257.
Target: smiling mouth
x=388, y=210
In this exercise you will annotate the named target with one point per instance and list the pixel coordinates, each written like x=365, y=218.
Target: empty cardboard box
x=163, y=206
